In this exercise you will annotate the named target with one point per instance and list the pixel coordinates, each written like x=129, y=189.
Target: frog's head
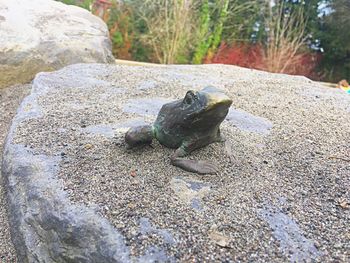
x=205, y=108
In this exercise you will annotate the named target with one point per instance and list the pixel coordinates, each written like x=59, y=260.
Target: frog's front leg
x=200, y=167
x=139, y=135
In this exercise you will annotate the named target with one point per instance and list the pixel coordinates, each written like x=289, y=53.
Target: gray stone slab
x=76, y=193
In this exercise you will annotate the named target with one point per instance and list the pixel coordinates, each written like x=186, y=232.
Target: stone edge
x=45, y=226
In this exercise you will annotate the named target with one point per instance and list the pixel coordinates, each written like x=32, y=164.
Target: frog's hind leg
x=194, y=166
x=139, y=136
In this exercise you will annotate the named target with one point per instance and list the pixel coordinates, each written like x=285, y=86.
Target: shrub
x=119, y=18
x=252, y=56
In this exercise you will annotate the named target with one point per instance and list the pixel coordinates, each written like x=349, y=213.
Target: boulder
x=44, y=35
x=77, y=194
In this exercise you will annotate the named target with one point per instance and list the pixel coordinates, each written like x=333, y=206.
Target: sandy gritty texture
x=10, y=98
x=282, y=193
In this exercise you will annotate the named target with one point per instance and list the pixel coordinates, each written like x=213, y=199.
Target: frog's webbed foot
x=200, y=167
x=139, y=135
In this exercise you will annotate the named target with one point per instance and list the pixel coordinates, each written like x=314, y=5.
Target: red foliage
x=307, y=66
x=253, y=56
x=244, y=55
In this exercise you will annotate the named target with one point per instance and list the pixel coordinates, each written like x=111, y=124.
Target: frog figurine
x=185, y=125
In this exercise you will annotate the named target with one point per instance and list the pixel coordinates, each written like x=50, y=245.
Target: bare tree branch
x=286, y=36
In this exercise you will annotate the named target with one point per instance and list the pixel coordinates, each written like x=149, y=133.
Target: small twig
x=339, y=158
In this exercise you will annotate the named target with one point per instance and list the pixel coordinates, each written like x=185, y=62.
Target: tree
x=217, y=34
x=168, y=27
x=335, y=41
x=120, y=24
x=218, y=20
x=204, y=38
x=241, y=21
x=286, y=35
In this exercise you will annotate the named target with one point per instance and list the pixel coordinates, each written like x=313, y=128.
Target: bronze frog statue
x=185, y=125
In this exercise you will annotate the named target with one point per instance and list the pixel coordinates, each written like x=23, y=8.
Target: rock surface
x=10, y=98
x=76, y=193
x=43, y=35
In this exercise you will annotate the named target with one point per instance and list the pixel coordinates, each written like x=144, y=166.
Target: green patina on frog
x=187, y=124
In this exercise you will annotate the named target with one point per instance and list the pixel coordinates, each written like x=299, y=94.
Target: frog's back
x=168, y=128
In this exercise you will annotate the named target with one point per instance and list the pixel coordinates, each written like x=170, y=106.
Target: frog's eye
x=189, y=98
